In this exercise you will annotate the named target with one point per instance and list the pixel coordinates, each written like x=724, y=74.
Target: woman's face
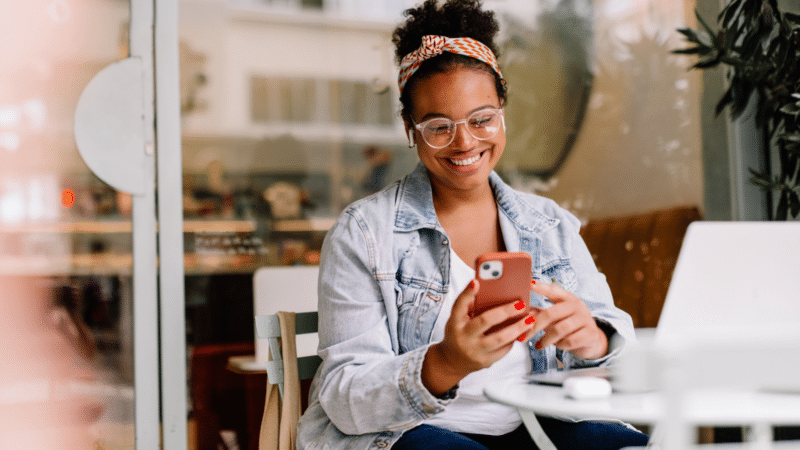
x=466, y=162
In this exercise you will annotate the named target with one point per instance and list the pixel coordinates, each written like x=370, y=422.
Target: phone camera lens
x=495, y=273
x=486, y=266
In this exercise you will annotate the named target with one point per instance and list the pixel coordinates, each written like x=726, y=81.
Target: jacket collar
x=415, y=205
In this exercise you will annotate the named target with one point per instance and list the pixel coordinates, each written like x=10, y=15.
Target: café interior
x=128, y=276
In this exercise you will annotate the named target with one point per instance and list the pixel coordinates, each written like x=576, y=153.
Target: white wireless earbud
x=410, y=138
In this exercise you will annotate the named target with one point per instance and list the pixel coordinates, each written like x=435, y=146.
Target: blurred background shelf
x=189, y=226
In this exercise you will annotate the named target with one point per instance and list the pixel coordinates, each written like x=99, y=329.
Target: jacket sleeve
x=593, y=289
x=365, y=386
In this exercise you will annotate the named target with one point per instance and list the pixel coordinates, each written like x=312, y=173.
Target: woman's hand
x=568, y=324
x=467, y=347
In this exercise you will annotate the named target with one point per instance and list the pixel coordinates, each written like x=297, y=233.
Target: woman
x=404, y=366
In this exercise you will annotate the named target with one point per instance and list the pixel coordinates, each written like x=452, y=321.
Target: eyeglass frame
x=420, y=126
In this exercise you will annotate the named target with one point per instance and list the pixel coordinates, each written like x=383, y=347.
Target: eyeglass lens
x=482, y=125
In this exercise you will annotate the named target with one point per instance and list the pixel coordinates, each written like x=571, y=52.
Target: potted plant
x=760, y=46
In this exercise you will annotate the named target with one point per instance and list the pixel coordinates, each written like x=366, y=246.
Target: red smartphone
x=504, y=277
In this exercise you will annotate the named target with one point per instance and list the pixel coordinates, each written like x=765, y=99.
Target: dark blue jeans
x=565, y=436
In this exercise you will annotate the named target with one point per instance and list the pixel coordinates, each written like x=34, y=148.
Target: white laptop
x=732, y=281
x=732, y=277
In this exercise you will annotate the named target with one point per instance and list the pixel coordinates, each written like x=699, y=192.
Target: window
x=298, y=99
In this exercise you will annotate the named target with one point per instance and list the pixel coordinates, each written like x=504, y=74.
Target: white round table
x=713, y=407
x=759, y=410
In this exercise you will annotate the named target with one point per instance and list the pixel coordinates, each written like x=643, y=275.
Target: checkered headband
x=433, y=45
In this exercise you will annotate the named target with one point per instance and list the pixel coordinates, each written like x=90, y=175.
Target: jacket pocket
x=561, y=270
x=418, y=310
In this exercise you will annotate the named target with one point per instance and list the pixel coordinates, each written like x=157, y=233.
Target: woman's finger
x=552, y=292
x=498, y=315
x=549, y=316
x=519, y=330
x=465, y=299
x=559, y=331
x=580, y=338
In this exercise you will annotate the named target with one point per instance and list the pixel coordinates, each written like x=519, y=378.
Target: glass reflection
x=66, y=375
x=292, y=115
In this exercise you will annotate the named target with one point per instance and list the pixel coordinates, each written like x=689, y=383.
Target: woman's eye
x=442, y=128
x=478, y=122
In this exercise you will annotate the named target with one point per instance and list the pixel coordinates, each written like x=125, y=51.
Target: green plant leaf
x=706, y=27
x=727, y=97
x=791, y=109
x=761, y=184
x=773, y=8
x=706, y=63
x=741, y=96
x=760, y=46
x=729, y=13
x=790, y=137
x=783, y=54
x=790, y=143
x=794, y=203
x=691, y=35
x=783, y=207
x=692, y=51
x=730, y=38
x=750, y=47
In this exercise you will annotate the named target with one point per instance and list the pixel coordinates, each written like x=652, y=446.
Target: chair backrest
x=285, y=289
x=268, y=327
x=283, y=403
x=637, y=254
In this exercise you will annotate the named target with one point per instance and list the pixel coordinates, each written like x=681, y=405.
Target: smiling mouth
x=465, y=162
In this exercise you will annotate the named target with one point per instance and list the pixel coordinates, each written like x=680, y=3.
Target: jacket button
x=445, y=242
x=381, y=444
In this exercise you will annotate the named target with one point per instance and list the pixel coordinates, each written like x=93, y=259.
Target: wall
x=639, y=147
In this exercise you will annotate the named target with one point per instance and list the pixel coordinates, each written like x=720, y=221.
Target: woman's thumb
x=464, y=302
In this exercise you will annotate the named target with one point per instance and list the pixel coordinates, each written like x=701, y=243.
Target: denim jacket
x=384, y=273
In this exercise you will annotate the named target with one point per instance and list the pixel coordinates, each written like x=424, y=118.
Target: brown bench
x=637, y=254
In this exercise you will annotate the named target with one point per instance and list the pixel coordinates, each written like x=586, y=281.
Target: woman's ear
x=409, y=132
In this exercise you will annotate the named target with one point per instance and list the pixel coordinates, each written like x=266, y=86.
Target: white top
x=471, y=411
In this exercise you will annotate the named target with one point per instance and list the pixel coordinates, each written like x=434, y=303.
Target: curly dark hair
x=455, y=18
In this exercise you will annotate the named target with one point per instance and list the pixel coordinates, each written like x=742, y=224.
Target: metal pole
x=145, y=294
x=170, y=219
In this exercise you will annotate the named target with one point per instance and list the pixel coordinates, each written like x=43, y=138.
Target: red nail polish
x=521, y=337
x=519, y=305
x=538, y=345
x=533, y=281
x=472, y=284
x=529, y=320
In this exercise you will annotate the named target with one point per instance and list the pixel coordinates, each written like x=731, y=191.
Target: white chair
x=285, y=289
x=282, y=337
x=269, y=328
x=282, y=406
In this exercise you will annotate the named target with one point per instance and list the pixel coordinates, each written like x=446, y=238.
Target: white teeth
x=465, y=162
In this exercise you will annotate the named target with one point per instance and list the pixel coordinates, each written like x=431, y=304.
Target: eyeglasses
x=439, y=132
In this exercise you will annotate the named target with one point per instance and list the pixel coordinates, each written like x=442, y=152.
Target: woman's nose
x=463, y=138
